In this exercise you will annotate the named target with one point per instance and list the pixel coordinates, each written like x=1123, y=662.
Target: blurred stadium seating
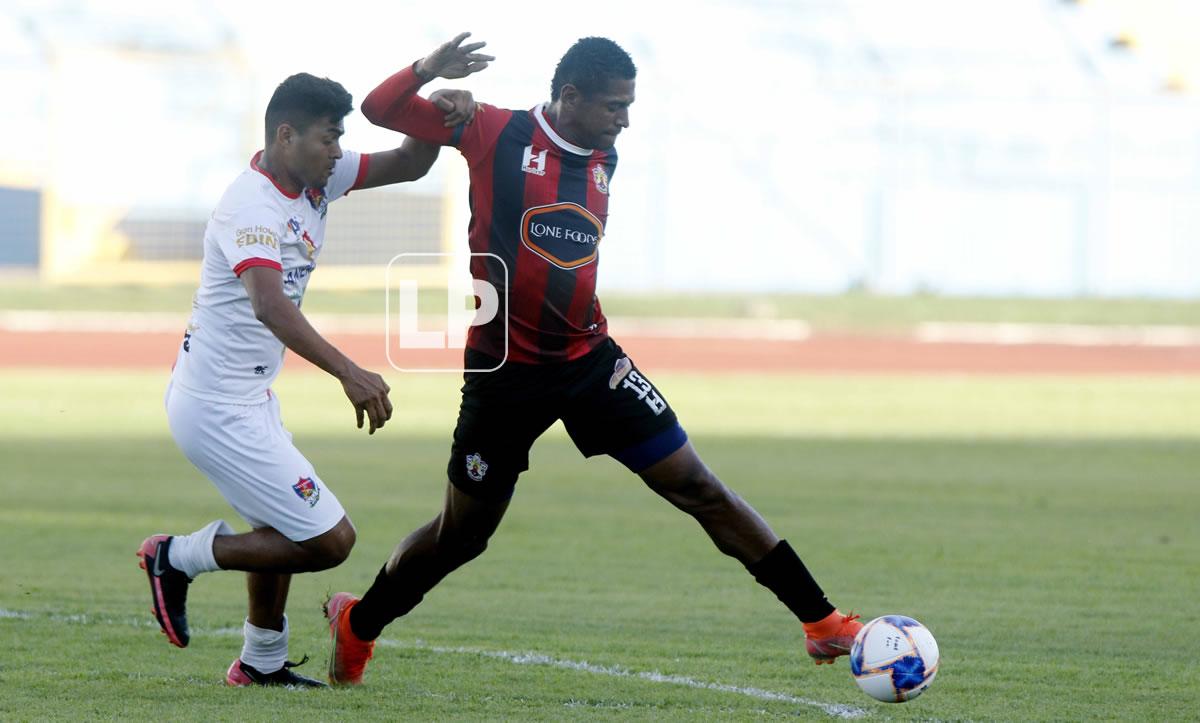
x=1039, y=147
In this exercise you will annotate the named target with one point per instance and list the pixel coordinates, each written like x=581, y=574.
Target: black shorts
x=606, y=404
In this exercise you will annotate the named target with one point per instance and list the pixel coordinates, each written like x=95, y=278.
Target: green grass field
x=1045, y=529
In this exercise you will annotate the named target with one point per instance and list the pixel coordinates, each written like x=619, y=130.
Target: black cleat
x=168, y=589
x=240, y=674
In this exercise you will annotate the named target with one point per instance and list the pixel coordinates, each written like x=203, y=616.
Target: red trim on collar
x=254, y=165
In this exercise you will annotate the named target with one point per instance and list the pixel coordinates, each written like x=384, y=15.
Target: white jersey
x=227, y=354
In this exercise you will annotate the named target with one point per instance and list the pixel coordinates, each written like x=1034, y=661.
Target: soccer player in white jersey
x=260, y=247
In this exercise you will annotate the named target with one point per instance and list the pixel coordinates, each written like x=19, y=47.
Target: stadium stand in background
x=1038, y=147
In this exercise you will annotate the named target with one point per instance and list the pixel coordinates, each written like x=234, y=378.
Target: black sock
x=782, y=572
x=383, y=602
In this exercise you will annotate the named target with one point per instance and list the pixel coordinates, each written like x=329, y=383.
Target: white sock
x=265, y=650
x=193, y=554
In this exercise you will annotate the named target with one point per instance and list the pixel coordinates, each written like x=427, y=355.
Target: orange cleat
x=349, y=657
x=831, y=637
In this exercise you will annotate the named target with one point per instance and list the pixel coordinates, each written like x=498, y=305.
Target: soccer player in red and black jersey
x=540, y=181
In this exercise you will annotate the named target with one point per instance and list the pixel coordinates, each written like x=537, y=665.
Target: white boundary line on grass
x=939, y=332
x=834, y=709
x=837, y=710
x=794, y=330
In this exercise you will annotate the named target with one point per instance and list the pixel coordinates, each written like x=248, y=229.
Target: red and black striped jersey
x=538, y=202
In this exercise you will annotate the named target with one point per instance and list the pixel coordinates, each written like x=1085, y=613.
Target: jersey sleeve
x=348, y=173
x=395, y=104
x=251, y=238
x=474, y=141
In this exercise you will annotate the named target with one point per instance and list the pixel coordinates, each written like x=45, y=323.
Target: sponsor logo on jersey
x=294, y=225
x=476, y=467
x=564, y=234
x=534, y=163
x=187, y=336
x=316, y=199
x=261, y=369
x=252, y=235
x=307, y=490
x=298, y=274
x=600, y=178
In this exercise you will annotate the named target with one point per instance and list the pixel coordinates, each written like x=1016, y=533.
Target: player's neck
x=271, y=163
x=560, y=127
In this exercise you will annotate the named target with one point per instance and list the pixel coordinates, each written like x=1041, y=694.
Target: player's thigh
x=615, y=409
x=499, y=418
x=250, y=458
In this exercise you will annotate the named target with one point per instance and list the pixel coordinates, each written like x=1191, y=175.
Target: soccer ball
x=894, y=658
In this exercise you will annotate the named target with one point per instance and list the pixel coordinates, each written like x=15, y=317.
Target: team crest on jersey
x=309, y=246
x=316, y=199
x=307, y=490
x=476, y=467
x=600, y=178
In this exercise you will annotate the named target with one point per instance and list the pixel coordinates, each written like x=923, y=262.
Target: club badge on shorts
x=476, y=467
x=307, y=490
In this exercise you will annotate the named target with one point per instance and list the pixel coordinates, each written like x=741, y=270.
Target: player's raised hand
x=458, y=105
x=369, y=394
x=453, y=60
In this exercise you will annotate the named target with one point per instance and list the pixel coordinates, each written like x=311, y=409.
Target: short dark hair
x=304, y=98
x=590, y=64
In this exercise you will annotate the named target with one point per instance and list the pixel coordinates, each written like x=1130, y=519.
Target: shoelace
x=289, y=664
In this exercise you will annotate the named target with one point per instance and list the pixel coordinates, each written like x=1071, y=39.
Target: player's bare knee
x=332, y=548
x=703, y=492
x=341, y=544
x=473, y=548
x=459, y=548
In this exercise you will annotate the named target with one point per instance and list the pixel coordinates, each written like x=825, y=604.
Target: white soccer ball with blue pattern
x=894, y=658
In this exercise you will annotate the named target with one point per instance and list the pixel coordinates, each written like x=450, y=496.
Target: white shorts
x=249, y=456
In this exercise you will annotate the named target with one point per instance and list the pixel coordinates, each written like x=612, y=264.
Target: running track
x=819, y=353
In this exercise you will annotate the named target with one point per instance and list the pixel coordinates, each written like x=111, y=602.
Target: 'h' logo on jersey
x=535, y=164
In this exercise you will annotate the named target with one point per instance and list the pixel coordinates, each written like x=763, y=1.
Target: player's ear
x=284, y=134
x=570, y=95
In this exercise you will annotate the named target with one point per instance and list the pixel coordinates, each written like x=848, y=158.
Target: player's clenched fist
x=369, y=394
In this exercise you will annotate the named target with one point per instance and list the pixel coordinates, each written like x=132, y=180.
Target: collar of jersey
x=554, y=136
x=254, y=165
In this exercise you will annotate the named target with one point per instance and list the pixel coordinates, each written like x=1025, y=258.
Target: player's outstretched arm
x=414, y=158
x=395, y=104
x=366, y=390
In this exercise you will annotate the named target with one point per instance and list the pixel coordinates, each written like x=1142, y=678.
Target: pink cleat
x=168, y=589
